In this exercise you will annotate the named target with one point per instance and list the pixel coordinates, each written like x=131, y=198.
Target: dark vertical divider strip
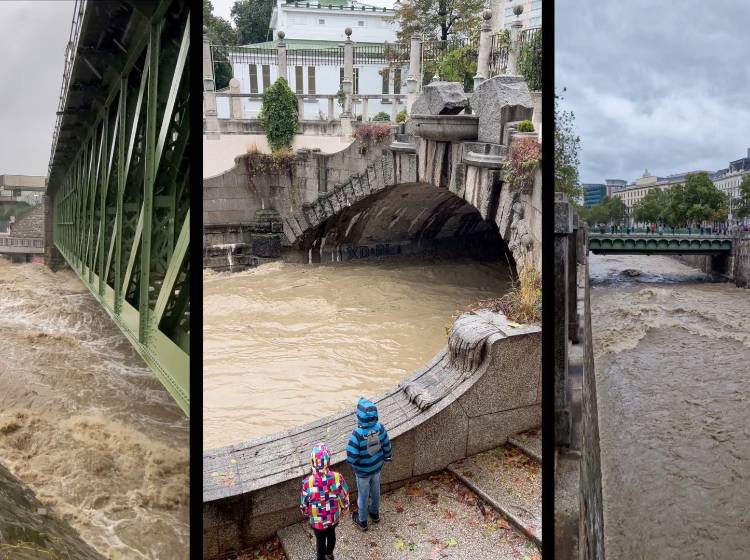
x=548, y=295
x=196, y=288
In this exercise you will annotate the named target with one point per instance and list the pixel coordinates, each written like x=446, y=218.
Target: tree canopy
x=609, y=210
x=438, y=19
x=252, y=19
x=567, y=143
x=220, y=34
x=654, y=207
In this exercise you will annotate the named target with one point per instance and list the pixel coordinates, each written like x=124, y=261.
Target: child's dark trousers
x=325, y=540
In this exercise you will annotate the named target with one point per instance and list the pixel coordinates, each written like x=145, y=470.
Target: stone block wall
x=32, y=224
x=741, y=263
x=591, y=541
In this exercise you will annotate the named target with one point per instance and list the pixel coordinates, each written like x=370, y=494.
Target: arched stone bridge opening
x=404, y=219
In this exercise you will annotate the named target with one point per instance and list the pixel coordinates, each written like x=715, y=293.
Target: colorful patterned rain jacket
x=324, y=493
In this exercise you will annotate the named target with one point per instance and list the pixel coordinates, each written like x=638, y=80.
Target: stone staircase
x=485, y=506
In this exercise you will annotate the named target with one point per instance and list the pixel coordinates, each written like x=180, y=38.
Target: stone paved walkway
x=512, y=481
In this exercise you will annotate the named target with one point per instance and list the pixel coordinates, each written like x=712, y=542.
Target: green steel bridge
x=655, y=244
x=119, y=174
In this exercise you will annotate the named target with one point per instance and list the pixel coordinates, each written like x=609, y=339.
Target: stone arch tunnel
x=403, y=219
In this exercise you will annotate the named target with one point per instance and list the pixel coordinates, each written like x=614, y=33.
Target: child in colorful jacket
x=324, y=496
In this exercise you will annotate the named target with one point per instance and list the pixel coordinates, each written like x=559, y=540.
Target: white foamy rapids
x=85, y=423
x=714, y=310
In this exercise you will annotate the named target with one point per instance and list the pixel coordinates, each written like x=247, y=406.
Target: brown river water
x=672, y=353
x=84, y=424
x=286, y=344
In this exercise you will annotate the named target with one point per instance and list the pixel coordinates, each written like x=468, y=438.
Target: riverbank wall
x=736, y=266
x=483, y=388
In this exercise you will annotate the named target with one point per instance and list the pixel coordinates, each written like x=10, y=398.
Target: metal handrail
x=70, y=56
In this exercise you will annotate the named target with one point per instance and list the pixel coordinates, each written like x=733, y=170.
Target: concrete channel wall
x=591, y=527
x=735, y=266
x=484, y=387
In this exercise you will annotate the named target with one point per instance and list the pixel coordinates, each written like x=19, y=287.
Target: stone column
x=281, y=56
x=563, y=229
x=331, y=113
x=300, y=107
x=415, y=72
x=365, y=109
x=235, y=103
x=209, y=91
x=485, y=45
x=515, y=32
x=348, y=85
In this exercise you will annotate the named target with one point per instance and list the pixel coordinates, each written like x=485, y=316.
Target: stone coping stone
x=265, y=461
x=511, y=481
x=530, y=442
x=436, y=517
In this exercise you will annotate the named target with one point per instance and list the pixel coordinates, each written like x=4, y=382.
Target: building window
x=361, y=23
x=321, y=22
x=298, y=82
x=311, y=80
x=397, y=81
x=386, y=79
x=355, y=85
x=266, y=70
x=253, y=78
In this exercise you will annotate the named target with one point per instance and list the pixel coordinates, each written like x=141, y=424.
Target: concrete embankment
x=475, y=394
x=735, y=266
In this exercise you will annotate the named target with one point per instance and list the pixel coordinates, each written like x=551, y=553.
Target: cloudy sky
x=33, y=36
x=661, y=85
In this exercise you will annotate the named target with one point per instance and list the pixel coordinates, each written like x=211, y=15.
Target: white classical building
x=503, y=16
x=314, y=37
x=730, y=178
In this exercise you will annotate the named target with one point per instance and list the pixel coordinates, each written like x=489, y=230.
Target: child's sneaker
x=362, y=525
x=375, y=517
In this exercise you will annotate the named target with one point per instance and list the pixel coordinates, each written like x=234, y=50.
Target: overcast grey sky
x=661, y=85
x=33, y=36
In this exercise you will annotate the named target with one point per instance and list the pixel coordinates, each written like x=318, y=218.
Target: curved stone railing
x=481, y=389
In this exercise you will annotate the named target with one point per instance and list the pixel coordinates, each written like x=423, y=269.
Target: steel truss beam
x=121, y=215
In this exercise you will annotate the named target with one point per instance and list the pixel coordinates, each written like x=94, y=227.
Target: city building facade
x=729, y=179
x=593, y=193
x=503, y=16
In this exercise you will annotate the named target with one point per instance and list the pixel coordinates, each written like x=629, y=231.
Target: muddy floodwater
x=289, y=343
x=85, y=426
x=672, y=351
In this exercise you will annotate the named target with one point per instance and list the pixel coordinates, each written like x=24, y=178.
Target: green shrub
x=525, y=126
x=382, y=116
x=278, y=115
x=530, y=62
x=401, y=116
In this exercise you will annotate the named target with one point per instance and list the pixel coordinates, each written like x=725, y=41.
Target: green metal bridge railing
x=119, y=182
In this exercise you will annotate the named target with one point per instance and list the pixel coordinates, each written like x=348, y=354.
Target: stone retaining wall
x=591, y=527
x=741, y=263
x=484, y=387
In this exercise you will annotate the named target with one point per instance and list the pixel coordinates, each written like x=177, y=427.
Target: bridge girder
x=120, y=192
x=658, y=244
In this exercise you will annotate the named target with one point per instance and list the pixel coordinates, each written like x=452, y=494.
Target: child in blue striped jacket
x=369, y=447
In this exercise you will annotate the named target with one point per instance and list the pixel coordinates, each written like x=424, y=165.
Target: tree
x=567, y=143
x=742, y=204
x=530, y=62
x=278, y=115
x=608, y=211
x=252, y=19
x=438, y=19
x=697, y=200
x=220, y=34
x=455, y=65
x=654, y=207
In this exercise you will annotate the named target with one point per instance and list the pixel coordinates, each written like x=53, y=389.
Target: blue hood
x=367, y=413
